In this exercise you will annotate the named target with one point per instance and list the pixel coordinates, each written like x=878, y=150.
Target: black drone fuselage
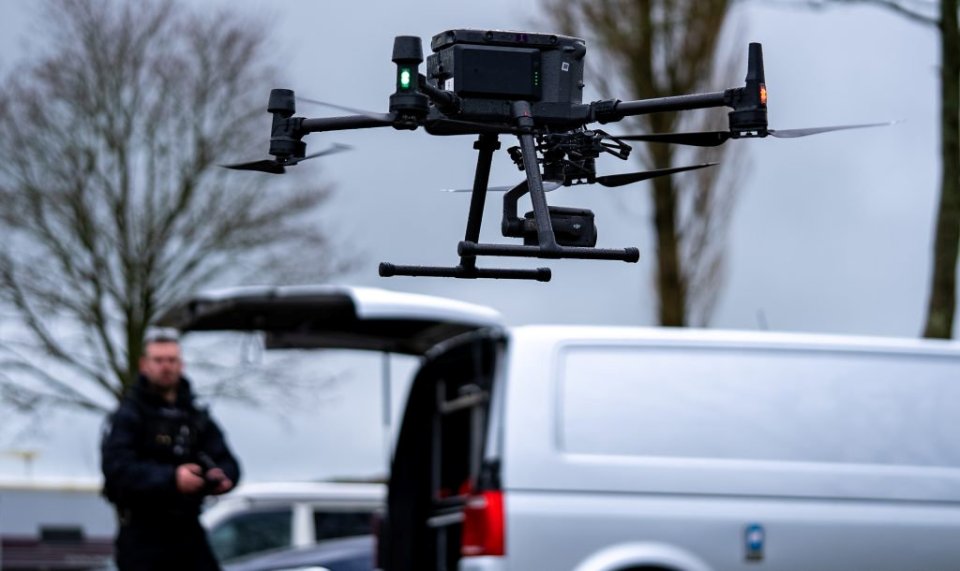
x=487, y=70
x=529, y=85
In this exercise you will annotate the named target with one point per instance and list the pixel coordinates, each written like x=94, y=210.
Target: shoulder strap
x=199, y=419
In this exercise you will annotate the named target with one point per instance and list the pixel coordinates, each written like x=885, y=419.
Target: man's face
x=161, y=364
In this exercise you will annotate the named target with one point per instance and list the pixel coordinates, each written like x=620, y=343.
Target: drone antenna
x=755, y=64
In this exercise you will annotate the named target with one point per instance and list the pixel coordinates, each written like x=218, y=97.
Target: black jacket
x=147, y=438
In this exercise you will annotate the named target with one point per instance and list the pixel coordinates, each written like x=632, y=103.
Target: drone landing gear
x=486, y=144
x=389, y=270
x=506, y=250
x=539, y=229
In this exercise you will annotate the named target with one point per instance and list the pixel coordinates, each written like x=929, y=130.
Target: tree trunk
x=942, y=304
x=671, y=286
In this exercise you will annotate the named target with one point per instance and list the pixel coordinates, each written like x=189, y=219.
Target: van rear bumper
x=487, y=563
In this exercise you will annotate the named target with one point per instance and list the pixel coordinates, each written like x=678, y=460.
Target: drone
x=490, y=83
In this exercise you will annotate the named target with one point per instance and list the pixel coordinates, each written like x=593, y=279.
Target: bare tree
x=111, y=203
x=657, y=48
x=941, y=16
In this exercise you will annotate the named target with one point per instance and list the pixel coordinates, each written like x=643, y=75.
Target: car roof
x=309, y=490
x=329, y=552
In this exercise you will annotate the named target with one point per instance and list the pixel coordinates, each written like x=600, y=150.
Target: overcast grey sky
x=830, y=234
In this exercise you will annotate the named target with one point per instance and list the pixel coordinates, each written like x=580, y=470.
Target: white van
x=642, y=449
x=265, y=516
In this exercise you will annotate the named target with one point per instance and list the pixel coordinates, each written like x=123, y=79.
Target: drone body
x=490, y=83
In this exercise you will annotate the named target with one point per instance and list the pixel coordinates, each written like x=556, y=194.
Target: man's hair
x=160, y=335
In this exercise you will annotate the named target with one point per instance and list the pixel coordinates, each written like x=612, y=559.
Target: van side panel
x=560, y=530
x=826, y=456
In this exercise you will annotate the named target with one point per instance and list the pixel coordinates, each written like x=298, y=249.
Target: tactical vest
x=167, y=433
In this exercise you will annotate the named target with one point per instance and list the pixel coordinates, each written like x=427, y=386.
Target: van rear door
x=333, y=317
x=442, y=465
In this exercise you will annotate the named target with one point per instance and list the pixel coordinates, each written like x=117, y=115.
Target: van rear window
x=801, y=406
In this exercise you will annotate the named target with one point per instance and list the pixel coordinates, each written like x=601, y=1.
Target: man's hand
x=189, y=478
x=224, y=484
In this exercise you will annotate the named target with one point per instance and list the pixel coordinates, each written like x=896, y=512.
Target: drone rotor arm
x=446, y=101
x=347, y=122
x=439, y=124
x=610, y=111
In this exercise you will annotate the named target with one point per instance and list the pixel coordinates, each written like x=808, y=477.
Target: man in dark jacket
x=160, y=456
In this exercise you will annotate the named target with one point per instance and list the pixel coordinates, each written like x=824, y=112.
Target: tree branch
x=119, y=215
x=912, y=14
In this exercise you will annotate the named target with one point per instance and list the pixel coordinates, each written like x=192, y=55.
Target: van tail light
x=483, y=524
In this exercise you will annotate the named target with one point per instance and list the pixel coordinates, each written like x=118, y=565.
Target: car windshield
x=251, y=532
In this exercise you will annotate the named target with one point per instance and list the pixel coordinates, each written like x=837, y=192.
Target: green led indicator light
x=405, y=78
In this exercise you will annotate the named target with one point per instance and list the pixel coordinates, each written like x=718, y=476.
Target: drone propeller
x=613, y=180
x=363, y=112
x=717, y=138
x=277, y=166
x=548, y=185
x=795, y=133
x=267, y=166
